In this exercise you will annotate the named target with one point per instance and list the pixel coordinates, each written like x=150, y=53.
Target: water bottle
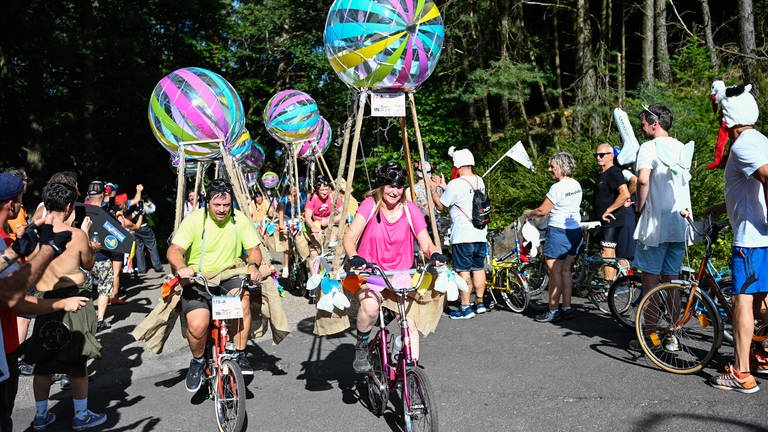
x=397, y=345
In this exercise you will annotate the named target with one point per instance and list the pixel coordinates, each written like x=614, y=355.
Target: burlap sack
x=158, y=324
x=267, y=313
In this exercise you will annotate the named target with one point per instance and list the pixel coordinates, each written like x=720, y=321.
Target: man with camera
x=211, y=240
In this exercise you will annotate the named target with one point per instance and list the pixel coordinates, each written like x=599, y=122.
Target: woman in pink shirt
x=383, y=232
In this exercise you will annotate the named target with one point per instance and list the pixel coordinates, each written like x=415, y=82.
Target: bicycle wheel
x=229, y=397
x=511, y=288
x=419, y=410
x=378, y=393
x=670, y=340
x=598, y=285
x=623, y=298
x=535, y=274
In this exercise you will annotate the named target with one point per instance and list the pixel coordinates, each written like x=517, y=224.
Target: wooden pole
x=237, y=186
x=427, y=183
x=179, y=188
x=198, y=182
x=351, y=171
x=408, y=162
x=335, y=227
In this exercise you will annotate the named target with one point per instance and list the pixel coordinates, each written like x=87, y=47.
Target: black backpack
x=481, y=207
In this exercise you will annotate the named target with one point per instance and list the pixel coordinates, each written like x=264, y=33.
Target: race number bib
x=226, y=307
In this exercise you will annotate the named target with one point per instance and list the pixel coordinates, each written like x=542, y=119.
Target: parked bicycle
x=681, y=325
x=505, y=284
x=222, y=373
x=393, y=368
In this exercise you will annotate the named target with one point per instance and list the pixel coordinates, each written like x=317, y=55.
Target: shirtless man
x=64, y=278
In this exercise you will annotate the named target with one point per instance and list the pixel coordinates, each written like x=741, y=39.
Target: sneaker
x=91, y=419
x=634, y=345
x=548, y=316
x=25, y=368
x=245, y=365
x=566, y=314
x=195, y=375
x=758, y=363
x=728, y=381
x=671, y=344
x=361, y=364
x=41, y=422
x=102, y=325
x=480, y=308
x=463, y=313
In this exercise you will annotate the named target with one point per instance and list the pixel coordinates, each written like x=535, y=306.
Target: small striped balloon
x=291, y=116
x=317, y=143
x=192, y=104
x=269, y=180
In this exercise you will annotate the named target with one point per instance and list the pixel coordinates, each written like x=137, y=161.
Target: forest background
x=76, y=76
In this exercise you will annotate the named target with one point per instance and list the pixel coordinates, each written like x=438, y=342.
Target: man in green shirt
x=208, y=241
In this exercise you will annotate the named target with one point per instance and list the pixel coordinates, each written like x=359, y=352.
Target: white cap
x=426, y=165
x=739, y=106
x=461, y=157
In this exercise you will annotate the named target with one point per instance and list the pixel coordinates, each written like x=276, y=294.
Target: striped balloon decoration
x=192, y=104
x=241, y=145
x=270, y=179
x=383, y=44
x=253, y=160
x=291, y=116
x=317, y=143
x=251, y=178
x=190, y=168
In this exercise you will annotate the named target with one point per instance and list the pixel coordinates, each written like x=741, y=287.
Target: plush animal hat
x=737, y=108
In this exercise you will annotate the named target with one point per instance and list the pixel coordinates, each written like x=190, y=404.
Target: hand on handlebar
x=358, y=262
x=186, y=272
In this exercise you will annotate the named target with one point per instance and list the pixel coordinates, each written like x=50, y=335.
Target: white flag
x=518, y=154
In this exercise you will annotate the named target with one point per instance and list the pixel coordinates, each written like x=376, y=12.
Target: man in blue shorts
x=468, y=244
x=662, y=192
x=746, y=186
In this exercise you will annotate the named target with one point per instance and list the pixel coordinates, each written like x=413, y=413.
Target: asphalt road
x=498, y=371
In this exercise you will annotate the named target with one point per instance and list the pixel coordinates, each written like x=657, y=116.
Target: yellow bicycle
x=504, y=282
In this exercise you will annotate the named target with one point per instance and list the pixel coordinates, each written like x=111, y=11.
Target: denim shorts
x=750, y=270
x=469, y=256
x=562, y=242
x=664, y=259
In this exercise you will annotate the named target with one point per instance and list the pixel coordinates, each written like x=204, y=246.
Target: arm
x=761, y=175
x=137, y=197
x=353, y=234
x=254, y=262
x=632, y=184
x=542, y=210
x=643, y=182
x=438, y=187
x=175, y=256
x=14, y=287
x=621, y=198
x=425, y=243
x=34, y=305
x=87, y=253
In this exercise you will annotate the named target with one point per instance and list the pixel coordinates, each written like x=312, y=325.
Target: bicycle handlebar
x=245, y=283
x=373, y=269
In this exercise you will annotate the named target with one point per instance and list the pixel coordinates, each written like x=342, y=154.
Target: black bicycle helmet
x=391, y=174
x=219, y=187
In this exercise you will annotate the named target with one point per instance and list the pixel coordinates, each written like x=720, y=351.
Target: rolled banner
x=383, y=44
x=191, y=104
x=628, y=153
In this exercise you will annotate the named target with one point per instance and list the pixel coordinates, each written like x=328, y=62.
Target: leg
x=608, y=271
x=197, y=330
x=566, y=280
x=22, y=324
x=743, y=330
x=466, y=295
x=117, y=267
x=154, y=253
x=244, y=324
x=141, y=261
x=414, y=332
x=555, y=283
x=369, y=309
x=41, y=387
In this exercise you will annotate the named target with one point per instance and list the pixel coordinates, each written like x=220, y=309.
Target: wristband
x=9, y=261
x=253, y=264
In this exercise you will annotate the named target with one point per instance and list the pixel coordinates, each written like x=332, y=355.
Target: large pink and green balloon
x=191, y=104
x=383, y=44
x=269, y=179
x=291, y=116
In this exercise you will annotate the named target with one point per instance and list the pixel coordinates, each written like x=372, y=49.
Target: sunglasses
x=601, y=155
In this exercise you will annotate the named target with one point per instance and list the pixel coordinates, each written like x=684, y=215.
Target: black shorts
x=609, y=236
x=194, y=296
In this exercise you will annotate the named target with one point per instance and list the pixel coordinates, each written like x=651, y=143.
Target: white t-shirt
x=668, y=194
x=744, y=196
x=458, y=197
x=566, y=197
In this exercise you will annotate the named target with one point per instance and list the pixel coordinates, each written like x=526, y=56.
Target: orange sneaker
x=758, y=362
x=728, y=381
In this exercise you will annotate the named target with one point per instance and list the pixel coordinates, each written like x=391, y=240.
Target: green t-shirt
x=219, y=244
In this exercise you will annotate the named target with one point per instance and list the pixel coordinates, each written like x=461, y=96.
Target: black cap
x=95, y=187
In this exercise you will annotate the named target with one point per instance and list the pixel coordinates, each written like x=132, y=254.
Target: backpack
x=481, y=207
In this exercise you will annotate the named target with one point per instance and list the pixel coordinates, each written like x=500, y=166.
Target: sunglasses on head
x=602, y=155
x=650, y=116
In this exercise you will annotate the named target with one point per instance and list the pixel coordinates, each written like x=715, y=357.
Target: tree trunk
x=622, y=59
x=87, y=21
x=747, y=30
x=504, y=41
x=647, y=54
x=558, y=72
x=662, y=52
x=585, y=69
x=707, y=23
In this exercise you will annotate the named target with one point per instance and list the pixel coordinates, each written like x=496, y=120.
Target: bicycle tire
x=598, y=286
x=683, y=350
x=623, y=298
x=537, y=283
x=512, y=290
x=419, y=409
x=229, y=397
x=377, y=396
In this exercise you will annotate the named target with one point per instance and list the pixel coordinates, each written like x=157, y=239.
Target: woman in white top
x=562, y=204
